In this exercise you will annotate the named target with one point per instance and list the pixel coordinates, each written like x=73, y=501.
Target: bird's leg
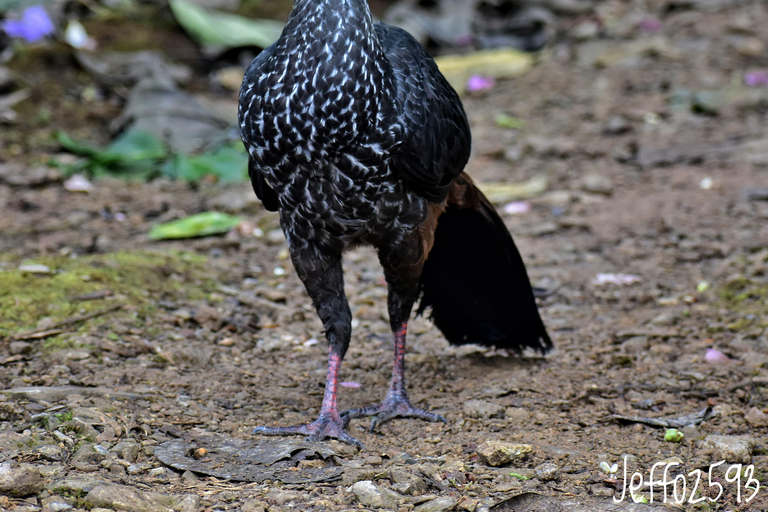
x=402, y=276
x=325, y=283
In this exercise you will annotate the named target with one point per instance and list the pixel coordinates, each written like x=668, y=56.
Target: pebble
x=20, y=481
x=86, y=458
x=497, y=453
x=56, y=506
x=482, y=409
x=52, y=452
x=597, y=184
x=547, y=471
x=63, y=438
x=757, y=418
x=127, y=450
x=617, y=125
x=21, y=347
x=437, y=505
x=371, y=495
x=732, y=449
x=34, y=268
x=122, y=497
x=517, y=414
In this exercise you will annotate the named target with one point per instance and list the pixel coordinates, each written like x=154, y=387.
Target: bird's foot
x=393, y=406
x=323, y=427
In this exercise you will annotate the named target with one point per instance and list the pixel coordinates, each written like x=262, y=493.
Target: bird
x=355, y=138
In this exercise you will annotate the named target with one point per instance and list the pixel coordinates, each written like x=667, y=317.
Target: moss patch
x=137, y=280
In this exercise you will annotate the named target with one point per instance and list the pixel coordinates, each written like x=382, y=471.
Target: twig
x=58, y=327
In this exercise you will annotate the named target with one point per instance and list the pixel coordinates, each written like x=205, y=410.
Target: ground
x=656, y=159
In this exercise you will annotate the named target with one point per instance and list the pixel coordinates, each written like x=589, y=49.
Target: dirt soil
x=127, y=346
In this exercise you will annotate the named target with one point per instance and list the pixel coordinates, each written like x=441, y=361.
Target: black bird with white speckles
x=355, y=137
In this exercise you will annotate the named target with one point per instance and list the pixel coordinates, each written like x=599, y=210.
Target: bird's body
x=355, y=137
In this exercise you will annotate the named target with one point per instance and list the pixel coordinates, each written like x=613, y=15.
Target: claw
x=392, y=407
x=320, y=429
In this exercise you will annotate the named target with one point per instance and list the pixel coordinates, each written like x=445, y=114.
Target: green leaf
x=74, y=146
x=214, y=28
x=201, y=224
x=133, y=146
x=507, y=121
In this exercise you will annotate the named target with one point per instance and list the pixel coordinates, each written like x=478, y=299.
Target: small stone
x=20, y=481
x=52, y=452
x=437, y=505
x=86, y=458
x=482, y=409
x=733, y=449
x=371, y=495
x=517, y=414
x=597, y=184
x=21, y=347
x=57, y=506
x=122, y=497
x=617, y=125
x=757, y=418
x=497, y=453
x=158, y=472
x=127, y=450
x=691, y=432
x=547, y=471
x=63, y=438
x=33, y=268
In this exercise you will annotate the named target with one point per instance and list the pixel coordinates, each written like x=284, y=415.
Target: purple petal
x=756, y=79
x=517, y=207
x=716, y=357
x=480, y=83
x=34, y=25
x=349, y=384
x=650, y=25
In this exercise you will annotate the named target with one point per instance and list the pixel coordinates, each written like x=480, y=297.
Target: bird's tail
x=474, y=279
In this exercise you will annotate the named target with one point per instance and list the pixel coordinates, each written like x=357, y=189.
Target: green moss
x=136, y=280
x=745, y=296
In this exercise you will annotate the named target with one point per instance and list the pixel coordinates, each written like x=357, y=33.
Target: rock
x=127, y=450
x=188, y=503
x=482, y=409
x=757, y=418
x=21, y=347
x=34, y=268
x=547, y=471
x=87, y=458
x=255, y=505
x=597, y=184
x=750, y=194
x=691, y=432
x=497, y=453
x=617, y=125
x=437, y=505
x=371, y=495
x=122, y=497
x=79, y=486
x=408, y=483
x=20, y=481
x=517, y=414
x=57, y=506
x=733, y=449
x=52, y=452
x=546, y=146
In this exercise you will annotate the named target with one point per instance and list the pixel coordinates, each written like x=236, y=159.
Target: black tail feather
x=476, y=284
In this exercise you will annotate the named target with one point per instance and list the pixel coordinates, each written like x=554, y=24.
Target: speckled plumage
x=355, y=137
x=350, y=127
